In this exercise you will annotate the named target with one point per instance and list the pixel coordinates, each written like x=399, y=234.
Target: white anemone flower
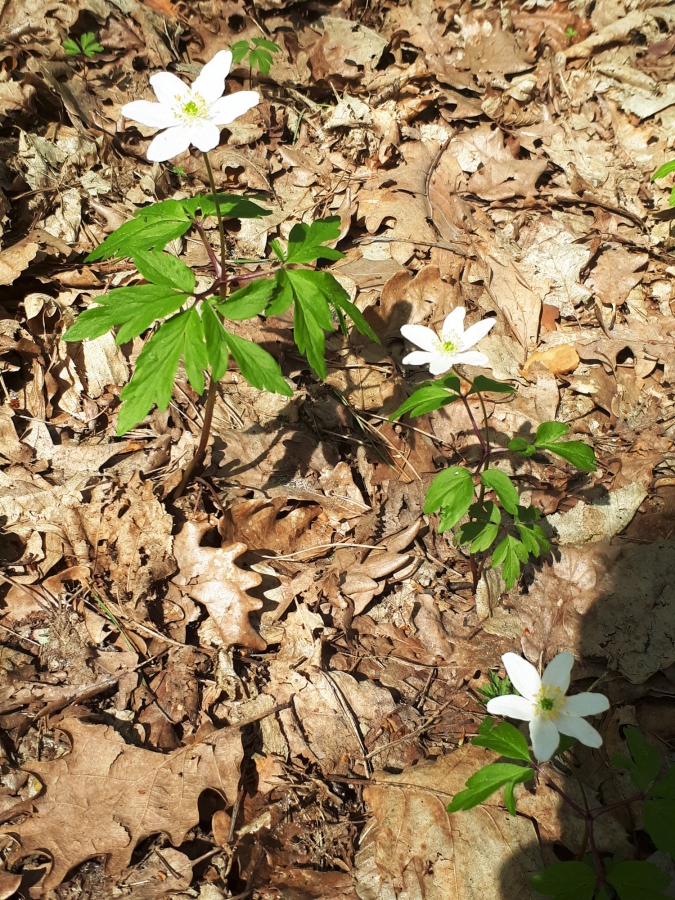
x=453, y=347
x=544, y=705
x=190, y=115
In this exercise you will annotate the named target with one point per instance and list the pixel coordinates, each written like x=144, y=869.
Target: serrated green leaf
x=257, y=366
x=529, y=539
x=504, y=739
x=164, y=269
x=71, y=47
x=424, y=400
x=509, y=554
x=152, y=228
x=644, y=763
x=481, y=383
x=637, y=880
x=216, y=344
x=566, y=881
x=453, y=491
x=481, y=532
x=134, y=308
x=262, y=59
x=232, y=206
x=282, y=295
x=664, y=170
x=248, y=301
x=268, y=45
x=659, y=817
x=549, y=432
x=503, y=487
x=305, y=242
x=518, y=444
x=195, y=356
x=89, y=44
x=239, y=51
x=342, y=303
x=153, y=378
x=580, y=455
x=486, y=781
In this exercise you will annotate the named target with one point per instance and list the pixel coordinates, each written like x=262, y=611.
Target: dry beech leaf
x=210, y=576
x=560, y=360
x=106, y=796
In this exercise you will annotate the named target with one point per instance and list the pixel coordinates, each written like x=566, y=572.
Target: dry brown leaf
x=106, y=796
x=560, y=360
x=615, y=275
x=415, y=849
x=210, y=576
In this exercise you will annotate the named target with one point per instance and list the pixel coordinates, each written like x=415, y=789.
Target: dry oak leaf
x=210, y=576
x=416, y=849
x=106, y=796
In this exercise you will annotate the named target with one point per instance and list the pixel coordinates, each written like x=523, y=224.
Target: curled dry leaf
x=106, y=796
x=210, y=576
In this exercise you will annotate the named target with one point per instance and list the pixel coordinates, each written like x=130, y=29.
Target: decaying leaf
x=105, y=796
x=211, y=576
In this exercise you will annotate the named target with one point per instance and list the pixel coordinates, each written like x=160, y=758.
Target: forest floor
x=301, y=738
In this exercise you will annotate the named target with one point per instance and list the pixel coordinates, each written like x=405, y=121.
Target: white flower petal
x=203, y=134
x=523, y=675
x=578, y=728
x=441, y=362
x=586, y=704
x=545, y=738
x=418, y=358
x=227, y=109
x=472, y=358
x=154, y=115
x=477, y=332
x=169, y=89
x=421, y=336
x=210, y=83
x=169, y=143
x=512, y=706
x=454, y=324
x=557, y=672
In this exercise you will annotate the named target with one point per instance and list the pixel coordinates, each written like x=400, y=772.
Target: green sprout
x=87, y=45
x=496, y=687
x=571, y=32
x=178, y=170
x=259, y=53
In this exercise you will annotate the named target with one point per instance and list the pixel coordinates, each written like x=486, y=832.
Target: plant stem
x=195, y=464
x=213, y=259
x=219, y=215
x=474, y=425
x=487, y=432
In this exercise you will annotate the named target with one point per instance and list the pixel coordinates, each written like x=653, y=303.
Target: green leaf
x=164, y=269
x=134, y=308
x=504, y=739
x=268, y=45
x=282, y=296
x=528, y=539
x=90, y=46
x=151, y=228
x=232, y=206
x=195, y=356
x=424, y=400
x=518, y=444
x=309, y=323
x=566, y=881
x=305, y=242
x=71, y=47
x=239, y=51
x=481, y=383
x=509, y=554
x=262, y=59
x=482, y=531
x=664, y=170
x=216, y=343
x=486, y=781
x=549, y=432
x=153, y=378
x=503, y=487
x=634, y=880
x=579, y=454
x=659, y=813
x=644, y=763
x=256, y=365
x=248, y=301
x=341, y=302
x=452, y=490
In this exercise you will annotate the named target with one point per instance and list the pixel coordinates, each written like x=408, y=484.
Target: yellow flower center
x=549, y=702
x=451, y=346
x=194, y=108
